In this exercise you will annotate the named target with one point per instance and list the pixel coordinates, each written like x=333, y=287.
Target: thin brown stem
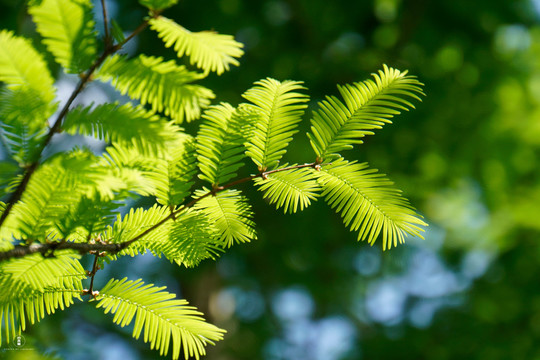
x=106, y=24
x=92, y=274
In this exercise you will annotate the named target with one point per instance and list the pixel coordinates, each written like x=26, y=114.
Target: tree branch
x=48, y=249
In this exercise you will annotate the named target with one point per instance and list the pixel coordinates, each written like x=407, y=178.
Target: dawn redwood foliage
x=59, y=209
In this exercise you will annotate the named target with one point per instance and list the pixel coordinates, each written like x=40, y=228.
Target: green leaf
x=8, y=171
x=367, y=106
x=230, y=213
x=22, y=66
x=89, y=216
x=136, y=222
x=133, y=169
x=166, y=86
x=220, y=144
x=193, y=238
x=120, y=123
x=291, y=189
x=187, y=239
x=208, y=50
x=163, y=317
x=67, y=27
x=368, y=203
x=34, y=285
x=174, y=177
x=117, y=32
x=24, y=123
x=52, y=192
x=280, y=108
x=47, y=197
x=158, y=4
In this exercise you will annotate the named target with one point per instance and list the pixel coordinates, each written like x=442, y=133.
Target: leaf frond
x=208, y=50
x=119, y=123
x=368, y=203
x=167, y=87
x=22, y=66
x=231, y=215
x=164, y=318
x=174, y=177
x=280, y=108
x=67, y=27
x=291, y=190
x=134, y=223
x=24, y=125
x=53, y=191
x=193, y=238
x=220, y=144
x=367, y=105
x=134, y=170
x=34, y=286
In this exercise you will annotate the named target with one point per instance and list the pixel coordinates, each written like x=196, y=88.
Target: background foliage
x=466, y=158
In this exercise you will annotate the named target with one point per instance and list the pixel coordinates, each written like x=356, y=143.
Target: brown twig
x=92, y=274
x=105, y=23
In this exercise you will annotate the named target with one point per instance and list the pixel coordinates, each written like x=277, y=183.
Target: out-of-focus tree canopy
x=467, y=157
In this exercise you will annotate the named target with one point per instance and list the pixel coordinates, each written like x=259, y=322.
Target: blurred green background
x=466, y=158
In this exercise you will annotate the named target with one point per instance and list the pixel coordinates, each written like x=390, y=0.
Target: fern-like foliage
x=27, y=101
x=8, y=171
x=193, y=238
x=220, y=143
x=367, y=106
x=132, y=168
x=134, y=223
x=368, y=203
x=75, y=198
x=231, y=215
x=208, y=50
x=48, y=197
x=167, y=87
x=290, y=190
x=279, y=106
x=164, y=318
x=24, y=123
x=89, y=216
x=34, y=286
x=174, y=176
x=54, y=190
x=187, y=239
x=67, y=27
x=121, y=124
x=22, y=66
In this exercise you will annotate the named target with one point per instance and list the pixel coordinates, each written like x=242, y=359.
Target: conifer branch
x=48, y=249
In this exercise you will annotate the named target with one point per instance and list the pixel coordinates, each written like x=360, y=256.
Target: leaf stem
x=106, y=24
